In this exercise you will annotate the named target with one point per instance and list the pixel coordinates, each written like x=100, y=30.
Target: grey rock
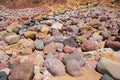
x=39, y=45
x=106, y=77
x=73, y=67
x=105, y=34
x=3, y=75
x=109, y=67
x=76, y=56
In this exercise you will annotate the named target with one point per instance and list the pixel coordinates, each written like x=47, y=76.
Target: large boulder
x=109, y=67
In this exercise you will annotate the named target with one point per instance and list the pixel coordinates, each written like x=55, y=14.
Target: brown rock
x=30, y=34
x=23, y=71
x=42, y=35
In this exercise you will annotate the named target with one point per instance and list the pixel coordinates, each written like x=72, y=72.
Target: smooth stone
x=30, y=34
x=42, y=35
x=57, y=25
x=106, y=77
x=70, y=42
x=3, y=75
x=73, y=67
x=45, y=29
x=56, y=32
x=4, y=65
x=104, y=66
x=13, y=65
x=68, y=49
x=89, y=45
x=59, y=39
x=76, y=56
x=23, y=71
x=11, y=39
x=39, y=45
x=60, y=47
x=55, y=67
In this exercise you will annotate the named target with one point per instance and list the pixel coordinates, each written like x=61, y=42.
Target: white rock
x=57, y=25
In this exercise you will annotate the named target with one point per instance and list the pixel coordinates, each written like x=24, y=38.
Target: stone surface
x=23, y=71
x=6, y=70
x=73, y=68
x=11, y=39
x=68, y=49
x=76, y=56
x=30, y=34
x=39, y=60
x=39, y=45
x=55, y=67
x=3, y=75
x=104, y=66
x=57, y=25
x=89, y=45
x=105, y=34
x=70, y=42
x=106, y=77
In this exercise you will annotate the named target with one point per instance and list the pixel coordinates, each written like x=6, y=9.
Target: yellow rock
x=30, y=34
x=42, y=35
x=9, y=52
x=45, y=29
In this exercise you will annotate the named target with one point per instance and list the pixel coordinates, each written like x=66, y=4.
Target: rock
x=68, y=49
x=39, y=60
x=37, y=74
x=106, y=77
x=4, y=65
x=30, y=34
x=6, y=70
x=41, y=35
x=13, y=65
x=56, y=32
x=39, y=45
x=59, y=39
x=60, y=47
x=55, y=67
x=77, y=56
x=90, y=45
x=113, y=44
x=57, y=25
x=4, y=57
x=91, y=65
x=24, y=47
x=11, y=39
x=16, y=30
x=105, y=34
x=46, y=75
x=72, y=30
x=51, y=47
x=104, y=66
x=70, y=42
x=17, y=73
x=94, y=22
x=73, y=67
x=45, y=29
x=81, y=39
x=3, y=75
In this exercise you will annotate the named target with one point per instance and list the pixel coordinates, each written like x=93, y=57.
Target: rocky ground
x=79, y=44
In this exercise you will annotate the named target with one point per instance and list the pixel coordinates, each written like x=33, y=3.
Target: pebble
x=39, y=45
x=30, y=34
x=6, y=70
x=11, y=39
x=73, y=68
x=60, y=47
x=68, y=49
x=39, y=60
x=4, y=57
x=105, y=34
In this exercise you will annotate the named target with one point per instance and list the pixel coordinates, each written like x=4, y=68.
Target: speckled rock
x=55, y=67
x=105, y=34
x=89, y=45
x=3, y=75
x=70, y=42
x=73, y=67
x=77, y=56
x=17, y=73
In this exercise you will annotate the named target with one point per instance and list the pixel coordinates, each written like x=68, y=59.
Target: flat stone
x=57, y=25
x=106, y=77
x=30, y=34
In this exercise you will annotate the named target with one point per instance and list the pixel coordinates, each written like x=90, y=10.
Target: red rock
x=4, y=65
x=89, y=45
x=23, y=71
x=91, y=64
x=68, y=49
